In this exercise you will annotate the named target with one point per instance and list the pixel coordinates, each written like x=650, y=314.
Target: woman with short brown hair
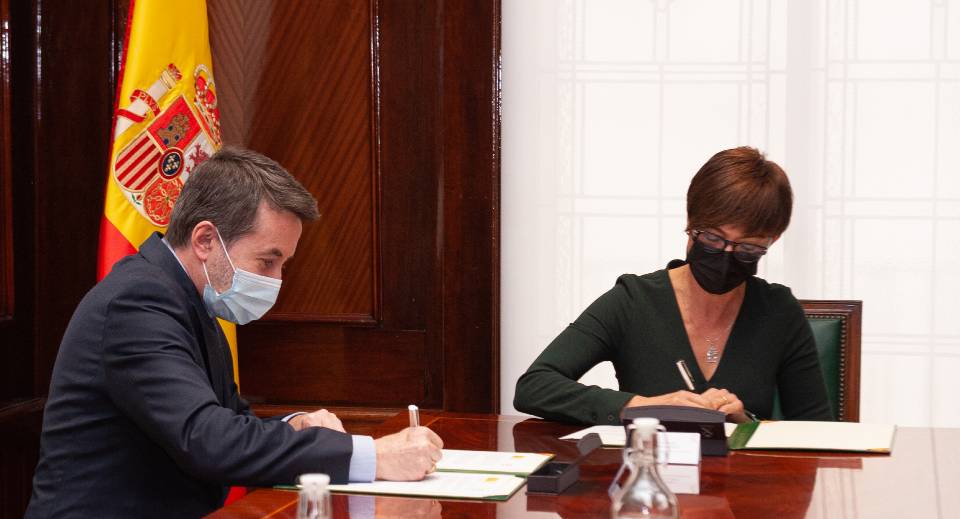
x=744, y=339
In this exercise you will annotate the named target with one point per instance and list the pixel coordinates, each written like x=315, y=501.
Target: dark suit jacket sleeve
x=155, y=375
x=238, y=403
x=234, y=400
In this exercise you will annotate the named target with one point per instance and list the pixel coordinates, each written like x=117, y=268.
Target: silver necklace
x=713, y=345
x=713, y=353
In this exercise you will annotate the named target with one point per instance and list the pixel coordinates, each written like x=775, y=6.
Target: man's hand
x=408, y=455
x=321, y=418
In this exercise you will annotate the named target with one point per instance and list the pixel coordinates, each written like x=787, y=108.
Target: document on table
x=681, y=479
x=455, y=485
x=728, y=428
x=491, y=462
x=675, y=447
x=610, y=435
x=462, y=474
x=820, y=436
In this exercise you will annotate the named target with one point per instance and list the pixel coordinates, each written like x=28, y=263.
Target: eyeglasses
x=745, y=252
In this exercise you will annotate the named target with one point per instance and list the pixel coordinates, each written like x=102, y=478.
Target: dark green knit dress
x=637, y=326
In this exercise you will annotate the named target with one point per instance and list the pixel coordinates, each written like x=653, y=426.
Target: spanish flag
x=166, y=122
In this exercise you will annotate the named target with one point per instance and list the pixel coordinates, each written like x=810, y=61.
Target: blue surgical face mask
x=248, y=298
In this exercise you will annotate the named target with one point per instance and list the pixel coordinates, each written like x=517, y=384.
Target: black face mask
x=718, y=272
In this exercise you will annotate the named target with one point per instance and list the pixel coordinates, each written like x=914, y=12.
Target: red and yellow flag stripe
x=166, y=122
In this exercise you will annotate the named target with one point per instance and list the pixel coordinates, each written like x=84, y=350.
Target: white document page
x=681, y=479
x=728, y=428
x=681, y=448
x=610, y=435
x=519, y=463
x=842, y=436
x=457, y=485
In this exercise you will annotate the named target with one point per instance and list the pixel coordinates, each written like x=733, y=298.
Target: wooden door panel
x=6, y=185
x=296, y=85
x=335, y=365
x=387, y=111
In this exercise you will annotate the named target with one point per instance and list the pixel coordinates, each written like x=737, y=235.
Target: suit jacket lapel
x=214, y=346
x=209, y=336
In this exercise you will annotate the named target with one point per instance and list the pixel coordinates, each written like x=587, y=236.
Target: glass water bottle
x=314, y=501
x=644, y=494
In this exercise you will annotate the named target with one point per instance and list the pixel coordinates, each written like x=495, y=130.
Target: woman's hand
x=676, y=398
x=726, y=402
x=713, y=398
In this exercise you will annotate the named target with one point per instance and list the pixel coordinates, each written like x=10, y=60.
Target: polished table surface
x=921, y=478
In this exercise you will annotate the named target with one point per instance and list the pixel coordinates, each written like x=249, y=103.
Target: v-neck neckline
x=700, y=381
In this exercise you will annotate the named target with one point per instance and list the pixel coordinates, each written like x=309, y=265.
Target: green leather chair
x=836, y=330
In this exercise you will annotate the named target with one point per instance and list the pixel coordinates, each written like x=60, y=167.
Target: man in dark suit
x=143, y=418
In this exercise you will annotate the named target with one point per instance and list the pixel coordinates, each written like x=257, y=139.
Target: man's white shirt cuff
x=363, y=462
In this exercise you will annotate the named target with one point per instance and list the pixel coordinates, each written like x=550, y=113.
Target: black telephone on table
x=674, y=418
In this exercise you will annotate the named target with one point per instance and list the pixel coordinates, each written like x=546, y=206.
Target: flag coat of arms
x=166, y=122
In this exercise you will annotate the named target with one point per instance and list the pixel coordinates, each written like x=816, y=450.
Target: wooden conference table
x=920, y=479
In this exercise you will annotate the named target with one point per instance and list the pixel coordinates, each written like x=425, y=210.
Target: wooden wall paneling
x=18, y=441
x=471, y=197
x=307, y=102
x=121, y=12
x=371, y=326
x=411, y=167
x=398, y=281
x=344, y=366
x=387, y=111
x=73, y=106
x=328, y=142
x=20, y=436
x=57, y=90
x=238, y=34
x=409, y=109
x=16, y=331
x=6, y=187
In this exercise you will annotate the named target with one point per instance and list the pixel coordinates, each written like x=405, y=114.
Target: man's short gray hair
x=227, y=189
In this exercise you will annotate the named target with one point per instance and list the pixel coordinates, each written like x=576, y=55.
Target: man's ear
x=203, y=239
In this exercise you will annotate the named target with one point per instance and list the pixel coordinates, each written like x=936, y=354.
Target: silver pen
x=414, y=415
x=685, y=373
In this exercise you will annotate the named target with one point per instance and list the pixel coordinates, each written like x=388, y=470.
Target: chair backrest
x=836, y=329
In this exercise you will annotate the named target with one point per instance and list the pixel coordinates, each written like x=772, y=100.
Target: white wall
x=610, y=107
